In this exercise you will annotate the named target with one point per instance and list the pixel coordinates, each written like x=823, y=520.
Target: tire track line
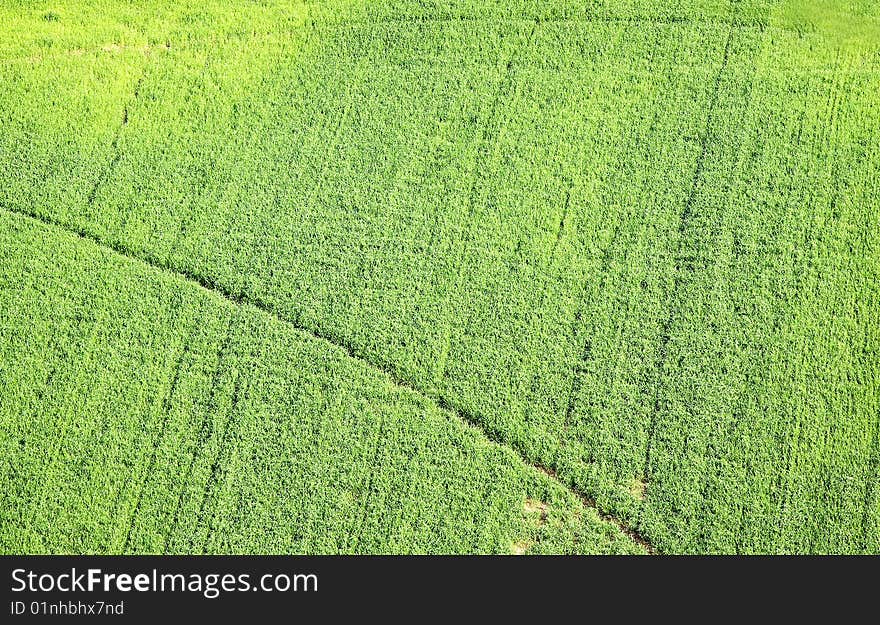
x=505, y=92
x=203, y=430
x=166, y=413
x=680, y=271
x=219, y=472
x=369, y=490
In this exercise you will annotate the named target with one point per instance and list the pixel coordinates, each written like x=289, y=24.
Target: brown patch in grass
x=589, y=502
x=115, y=48
x=548, y=472
x=638, y=488
x=520, y=547
x=534, y=506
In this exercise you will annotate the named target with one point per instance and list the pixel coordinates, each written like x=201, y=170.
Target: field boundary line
x=559, y=20
x=244, y=300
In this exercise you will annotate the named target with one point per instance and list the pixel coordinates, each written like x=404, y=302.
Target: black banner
x=115, y=589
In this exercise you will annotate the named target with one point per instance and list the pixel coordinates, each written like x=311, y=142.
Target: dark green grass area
x=632, y=242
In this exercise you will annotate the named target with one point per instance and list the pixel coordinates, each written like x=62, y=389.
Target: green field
x=440, y=276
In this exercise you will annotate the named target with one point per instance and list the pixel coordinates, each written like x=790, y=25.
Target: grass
x=234, y=432
x=453, y=276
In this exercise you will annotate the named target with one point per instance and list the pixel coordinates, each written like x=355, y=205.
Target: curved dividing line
x=247, y=300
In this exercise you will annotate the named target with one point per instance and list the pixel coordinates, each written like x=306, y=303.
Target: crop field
x=440, y=276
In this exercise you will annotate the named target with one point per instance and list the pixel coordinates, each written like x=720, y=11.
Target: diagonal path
x=244, y=300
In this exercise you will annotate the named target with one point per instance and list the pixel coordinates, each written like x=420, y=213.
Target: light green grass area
x=634, y=243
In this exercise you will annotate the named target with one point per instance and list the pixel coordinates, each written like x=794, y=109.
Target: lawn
x=459, y=276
